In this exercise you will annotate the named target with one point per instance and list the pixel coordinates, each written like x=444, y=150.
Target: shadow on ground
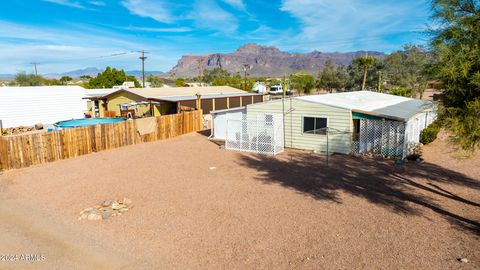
x=396, y=188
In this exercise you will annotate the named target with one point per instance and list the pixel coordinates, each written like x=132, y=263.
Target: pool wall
x=73, y=123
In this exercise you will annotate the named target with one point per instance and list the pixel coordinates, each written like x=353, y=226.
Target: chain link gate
x=256, y=133
x=380, y=138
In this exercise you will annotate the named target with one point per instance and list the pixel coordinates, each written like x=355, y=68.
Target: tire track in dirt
x=27, y=231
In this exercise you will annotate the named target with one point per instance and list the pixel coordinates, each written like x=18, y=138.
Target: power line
x=89, y=58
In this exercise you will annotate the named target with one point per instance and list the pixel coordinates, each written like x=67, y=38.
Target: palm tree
x=365, y=62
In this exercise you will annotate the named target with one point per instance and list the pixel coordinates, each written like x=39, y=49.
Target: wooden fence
x=31, y=149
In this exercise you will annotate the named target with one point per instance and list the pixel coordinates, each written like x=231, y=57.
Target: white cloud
x=203, y=14
x=158, y=10
x=236, y=3
x=159, y=30
x=207, y=14
x=97, y=3
x=76, y=46
x=67, y=3
x=346, y=24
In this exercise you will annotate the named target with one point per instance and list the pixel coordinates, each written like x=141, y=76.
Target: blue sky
x=70, y=34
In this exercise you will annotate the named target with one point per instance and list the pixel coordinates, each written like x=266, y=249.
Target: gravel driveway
x=200, y=207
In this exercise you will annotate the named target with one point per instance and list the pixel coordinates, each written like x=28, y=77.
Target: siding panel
x=338, y=119
x=40, y=104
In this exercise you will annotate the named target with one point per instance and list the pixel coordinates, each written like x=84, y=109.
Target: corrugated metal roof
x=193, y=97
x=162, y=93
x=98, y=92
x=228, y=110
x=397, y=107
x=406, y=109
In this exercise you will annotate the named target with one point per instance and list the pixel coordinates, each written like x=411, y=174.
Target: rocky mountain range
x=92, y=71
x=264, y=61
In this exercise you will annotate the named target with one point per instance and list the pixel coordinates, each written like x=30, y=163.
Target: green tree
x=235, y=81
x=111, y=77
x=302, y=82
x=65, y=79
x=365, y=62
x=327, y=78
x=23, y=79
x=51, y=82
x=212, y=74
x=404, y=92
x=341, y=75
x=179, y=82
x=154, y=80
x=407, y=68
x=456, y=48
x=356, y=72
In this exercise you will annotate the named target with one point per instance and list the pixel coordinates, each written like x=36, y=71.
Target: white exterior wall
x=220, y=122
x=416, y=124
x=338, y=119
x=26, y=106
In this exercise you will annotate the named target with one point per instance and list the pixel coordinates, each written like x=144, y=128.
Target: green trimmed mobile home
x=349, y=122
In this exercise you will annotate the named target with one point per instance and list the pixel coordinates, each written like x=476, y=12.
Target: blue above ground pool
x=86, y=122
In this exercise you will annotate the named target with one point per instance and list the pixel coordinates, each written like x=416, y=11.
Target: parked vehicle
x=278, y=90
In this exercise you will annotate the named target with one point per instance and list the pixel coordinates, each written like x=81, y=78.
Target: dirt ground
x=197, y=206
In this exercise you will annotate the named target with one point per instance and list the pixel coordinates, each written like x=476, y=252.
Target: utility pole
x=143, y=57
x=246, y=67
x=35, y=67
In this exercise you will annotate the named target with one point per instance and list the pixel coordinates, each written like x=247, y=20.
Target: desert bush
x=430, y=133
x=404, y=92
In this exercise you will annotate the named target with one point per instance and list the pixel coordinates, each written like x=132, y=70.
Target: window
x=315, y=125
x=268, y=119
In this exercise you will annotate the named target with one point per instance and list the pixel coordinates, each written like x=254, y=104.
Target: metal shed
x=26, y=106
x=220, y=119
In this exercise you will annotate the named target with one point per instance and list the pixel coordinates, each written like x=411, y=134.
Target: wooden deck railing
x=32, y=149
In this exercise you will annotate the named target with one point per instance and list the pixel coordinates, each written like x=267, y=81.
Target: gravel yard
x=196, y=206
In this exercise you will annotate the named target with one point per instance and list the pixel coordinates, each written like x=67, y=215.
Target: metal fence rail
x=261, y=134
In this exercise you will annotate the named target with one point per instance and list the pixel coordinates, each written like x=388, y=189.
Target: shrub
x=430, y=133
x=404, y=92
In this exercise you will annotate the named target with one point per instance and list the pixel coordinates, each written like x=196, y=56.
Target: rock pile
x=17, y=130
x=107, y=209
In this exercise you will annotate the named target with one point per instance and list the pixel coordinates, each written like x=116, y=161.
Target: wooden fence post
x=32, y=149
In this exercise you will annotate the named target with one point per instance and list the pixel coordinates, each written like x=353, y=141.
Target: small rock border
x=106, y=209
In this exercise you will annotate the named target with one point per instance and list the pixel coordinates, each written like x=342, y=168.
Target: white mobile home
x=350, y=122
x=26, y=106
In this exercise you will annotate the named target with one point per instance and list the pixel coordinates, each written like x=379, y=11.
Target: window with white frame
x=269, y=119
x=314, y=125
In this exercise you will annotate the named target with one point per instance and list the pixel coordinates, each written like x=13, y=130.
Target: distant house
x=347, y=122
x=260, y=88
x=26, y=106
x=125, y=85
x=140, y=102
